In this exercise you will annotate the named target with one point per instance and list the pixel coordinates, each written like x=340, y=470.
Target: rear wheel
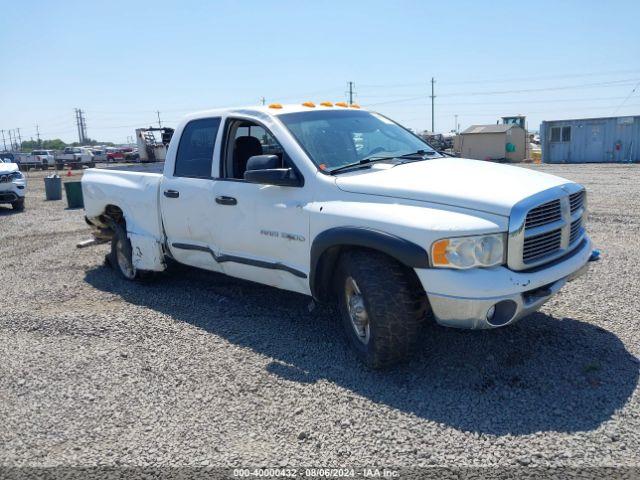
x=121, y=254
x=381, y=305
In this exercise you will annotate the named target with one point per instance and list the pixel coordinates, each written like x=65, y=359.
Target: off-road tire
x=395, y=303
x=18, y=205
x=120, y=236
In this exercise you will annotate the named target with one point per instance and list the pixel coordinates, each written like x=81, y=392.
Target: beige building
x=492, y=142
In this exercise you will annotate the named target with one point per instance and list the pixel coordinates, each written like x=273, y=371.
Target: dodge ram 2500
x=347, y=206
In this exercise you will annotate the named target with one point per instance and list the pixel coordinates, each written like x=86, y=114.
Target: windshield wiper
x=367, y=160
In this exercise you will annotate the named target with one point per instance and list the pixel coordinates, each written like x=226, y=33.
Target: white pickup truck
x=345, y=205
x=75, y=157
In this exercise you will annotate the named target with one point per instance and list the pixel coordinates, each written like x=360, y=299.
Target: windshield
x=334, y=138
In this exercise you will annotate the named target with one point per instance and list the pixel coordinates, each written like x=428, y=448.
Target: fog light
x=490, y=313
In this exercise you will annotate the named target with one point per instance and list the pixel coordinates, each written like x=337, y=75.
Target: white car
x=12, y=185
x=347, y=206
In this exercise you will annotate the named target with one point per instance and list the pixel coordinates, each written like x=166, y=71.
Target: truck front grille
x=544, y=214
x=541, y=245
x=546, y=226
x=576, y=230
x=576, y=200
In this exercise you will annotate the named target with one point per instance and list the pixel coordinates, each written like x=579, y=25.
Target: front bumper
x=10, y=192
x=462, y=298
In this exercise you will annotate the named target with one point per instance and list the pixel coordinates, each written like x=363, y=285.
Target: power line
x=626, y=98
x=506, y=79
x=617, y=83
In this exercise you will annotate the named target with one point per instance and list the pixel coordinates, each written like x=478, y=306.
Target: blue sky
x=122, y=61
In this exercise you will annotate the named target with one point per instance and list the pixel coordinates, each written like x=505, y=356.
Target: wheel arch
x=330, y=244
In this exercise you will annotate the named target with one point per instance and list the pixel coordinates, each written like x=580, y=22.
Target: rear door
x=187, y=196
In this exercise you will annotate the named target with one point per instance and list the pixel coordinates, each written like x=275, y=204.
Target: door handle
x=171, y=193
x=224, y=200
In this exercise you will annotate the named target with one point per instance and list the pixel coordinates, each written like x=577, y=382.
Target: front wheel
x=18, y=205
x=381, y=305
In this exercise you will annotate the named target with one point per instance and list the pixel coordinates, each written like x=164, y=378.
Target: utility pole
x=350, y=93
x=78, y=125
x=4, y=143
x=455, y=124
x=11, y=145
x=83, y=125
x=263, y=100
x=433, y=127
x=19, y=140
x=38, y=134
x=159, y=121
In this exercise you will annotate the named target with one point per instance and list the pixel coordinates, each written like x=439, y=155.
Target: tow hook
x=595, y=256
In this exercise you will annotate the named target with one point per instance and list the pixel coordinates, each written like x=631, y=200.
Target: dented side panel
x=147, y=253
x=136, y=194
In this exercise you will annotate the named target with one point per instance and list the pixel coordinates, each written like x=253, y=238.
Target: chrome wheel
x=124, y=262
x=357, y=311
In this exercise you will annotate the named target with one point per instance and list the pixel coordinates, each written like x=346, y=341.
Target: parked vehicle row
x=347, y=206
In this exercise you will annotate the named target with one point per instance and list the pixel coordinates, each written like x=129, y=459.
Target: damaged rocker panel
x=246, y=261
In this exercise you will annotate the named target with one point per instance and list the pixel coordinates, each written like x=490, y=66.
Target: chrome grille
x=5, y=178
x=576, y=229
x=576, y=200
x=546, y=226
x=544, y=214
x=541, y=245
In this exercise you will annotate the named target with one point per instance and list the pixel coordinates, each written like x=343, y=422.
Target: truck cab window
x=244, y=140
x=195, y=150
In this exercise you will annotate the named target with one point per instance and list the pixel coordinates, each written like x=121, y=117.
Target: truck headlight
x=17, y=176
x=469, y=252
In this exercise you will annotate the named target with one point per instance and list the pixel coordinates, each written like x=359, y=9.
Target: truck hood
x=459, y=182
x=8, y=167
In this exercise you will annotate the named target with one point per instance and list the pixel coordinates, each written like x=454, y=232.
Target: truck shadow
x=7, y=210
x=541, y=374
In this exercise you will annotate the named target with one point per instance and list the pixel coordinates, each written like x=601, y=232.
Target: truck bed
x=135, y=193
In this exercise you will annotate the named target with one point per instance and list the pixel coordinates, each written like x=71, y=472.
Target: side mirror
x=266, y=170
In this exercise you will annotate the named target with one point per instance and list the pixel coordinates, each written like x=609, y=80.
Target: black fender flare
x=332, y=240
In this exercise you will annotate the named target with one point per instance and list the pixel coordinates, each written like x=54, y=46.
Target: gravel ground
x=199, y=369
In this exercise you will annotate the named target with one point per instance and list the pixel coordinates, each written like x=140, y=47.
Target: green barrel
x=74, y=194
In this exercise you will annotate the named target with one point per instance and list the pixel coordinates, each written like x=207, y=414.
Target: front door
x=266, y=227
